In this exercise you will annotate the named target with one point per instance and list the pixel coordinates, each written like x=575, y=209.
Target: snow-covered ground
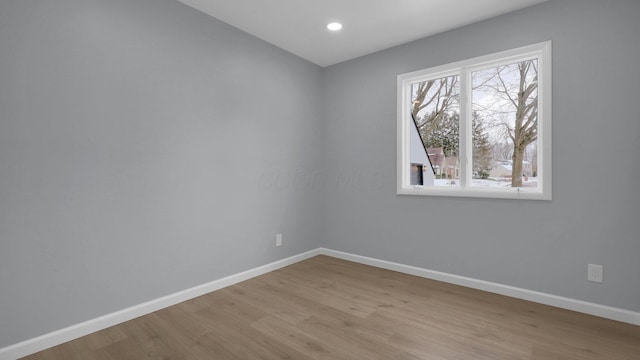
x=490, y=182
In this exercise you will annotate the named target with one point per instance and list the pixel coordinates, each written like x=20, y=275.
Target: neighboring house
x=421, y=170
x=527, y=168
x=503, y=168
x=451, y=167
x=436, y=155
x=445, y=166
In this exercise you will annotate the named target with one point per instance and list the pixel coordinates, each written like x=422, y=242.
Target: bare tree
x=432, y=99
x=525, y=130
x=502, y=150
x=517, y=84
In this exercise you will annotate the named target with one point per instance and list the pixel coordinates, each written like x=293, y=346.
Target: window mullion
x=466, y=147
x=404, y=136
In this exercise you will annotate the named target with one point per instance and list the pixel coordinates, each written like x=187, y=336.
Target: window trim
x=464, y=68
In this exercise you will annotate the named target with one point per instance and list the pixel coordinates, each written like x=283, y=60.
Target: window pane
x=435, y=136
x=505, y=125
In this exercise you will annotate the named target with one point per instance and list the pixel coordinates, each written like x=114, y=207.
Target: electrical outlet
x=595, y=273
x=278, y=239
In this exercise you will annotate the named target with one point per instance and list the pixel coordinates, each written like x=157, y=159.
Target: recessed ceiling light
x=334, y=26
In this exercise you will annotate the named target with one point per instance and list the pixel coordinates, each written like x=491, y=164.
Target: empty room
x=245, y=179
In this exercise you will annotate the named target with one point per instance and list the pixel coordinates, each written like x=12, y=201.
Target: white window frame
x=464, y=68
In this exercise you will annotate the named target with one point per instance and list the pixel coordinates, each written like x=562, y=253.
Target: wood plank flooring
x=325, y=308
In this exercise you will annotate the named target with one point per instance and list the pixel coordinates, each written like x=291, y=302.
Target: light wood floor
x=324, y=308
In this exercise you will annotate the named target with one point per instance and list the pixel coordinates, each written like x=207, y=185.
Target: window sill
x=512, y=194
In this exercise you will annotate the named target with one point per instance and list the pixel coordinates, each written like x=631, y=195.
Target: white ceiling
x=299, y=26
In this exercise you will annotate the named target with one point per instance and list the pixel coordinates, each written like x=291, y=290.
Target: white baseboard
x=46, y=341
x=73, y=332
x=603, y=311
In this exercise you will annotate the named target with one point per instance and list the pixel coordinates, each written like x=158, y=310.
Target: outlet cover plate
x=595, y=273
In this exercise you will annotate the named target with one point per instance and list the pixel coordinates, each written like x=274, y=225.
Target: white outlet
x=278, y=239
x=595, y=273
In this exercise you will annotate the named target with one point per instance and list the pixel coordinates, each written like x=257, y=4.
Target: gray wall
x=144, y=148
x=594, y=216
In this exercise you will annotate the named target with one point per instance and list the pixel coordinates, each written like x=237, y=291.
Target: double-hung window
x=479, y=127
